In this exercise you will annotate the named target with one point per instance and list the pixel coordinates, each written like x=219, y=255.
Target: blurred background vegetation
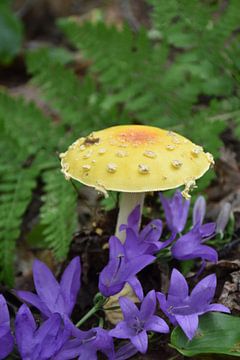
x=70, y=67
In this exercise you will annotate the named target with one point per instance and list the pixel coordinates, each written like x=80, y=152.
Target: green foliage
x=58, y=214
x=180, y=75
x=78, y=103
x=29, y=141
x=217, y=333
x=11, y=33
x=16, y=192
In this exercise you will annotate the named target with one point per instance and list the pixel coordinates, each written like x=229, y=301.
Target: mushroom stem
x=128, y=201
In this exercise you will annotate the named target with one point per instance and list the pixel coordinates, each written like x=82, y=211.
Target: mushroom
x=135, y=159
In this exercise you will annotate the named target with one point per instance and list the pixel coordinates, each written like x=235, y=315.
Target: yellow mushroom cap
x=135, y=158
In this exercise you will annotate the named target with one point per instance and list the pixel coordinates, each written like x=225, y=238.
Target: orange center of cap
x=137, y=136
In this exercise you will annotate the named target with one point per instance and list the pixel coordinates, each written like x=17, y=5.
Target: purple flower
x=145, y=241
x=190, y=246
x=53, y=297
x=199, y=211
x=223, y=218
x=6, y=338
x=183, y=309
x=126, y=351
x=39, y=343
x=176, y=211
x=86, y=344
x=132, y=220
x=137, y=322
x=121, y=269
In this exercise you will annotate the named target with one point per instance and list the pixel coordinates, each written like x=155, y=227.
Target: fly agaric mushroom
x=135, y=159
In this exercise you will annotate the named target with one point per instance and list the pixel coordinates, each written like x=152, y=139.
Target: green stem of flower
x=98, y=306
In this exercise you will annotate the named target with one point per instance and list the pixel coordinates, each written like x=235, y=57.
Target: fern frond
x=16, y=190
x=154, y=83
x=25, y=124
x=78, y=102
x=58, y=213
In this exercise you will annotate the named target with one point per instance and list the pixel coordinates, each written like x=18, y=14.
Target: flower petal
x=122, y=331
x=180, y=208
x=148, y=305
x=206, y=252
x=47, y=287
x=110, y=280
x=25, y=327
x=70, y=284
x=178, y=286
x=186, y=245
x=203, y=293
x=134, y=217
x=132, y=246
x=140, y=341
x=188, y=323
x=129, y=309
x=34, y=300
x=126, y=351
x=136, y=286
x=70, y=350
x=165, y=307
x=6, y=340
x=155, y=323
x=207, y=229
x=199, y=211
x=218, y=307
x=223, y=218
x=167, y=210
x=162, y=300
x=103, y=343
x=164, y=244
x=4, y=314
x=135, y=265
x=152, y=232
x=116, y=248
x=132, y=220
x=49, y=336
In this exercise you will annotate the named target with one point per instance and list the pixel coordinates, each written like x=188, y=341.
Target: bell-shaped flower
x=199, y=211
x=126, y=351
x=86, y=344
x=176, y=211
x=39, y=343
x=145, y=241
x=6, y=338
x=223, y=218
x=137, y=322
x=183, y=309
x=122, y=269
x=150, y=236
x=190, y=246
x=53, y=297
x=132, y=220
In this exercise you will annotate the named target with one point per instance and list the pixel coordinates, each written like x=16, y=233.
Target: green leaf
x=58, y=213
x=217, y=333
x=11, y=32
x=16, y=192
x=110, y=202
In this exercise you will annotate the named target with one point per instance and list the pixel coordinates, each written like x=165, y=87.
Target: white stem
x=128, y=201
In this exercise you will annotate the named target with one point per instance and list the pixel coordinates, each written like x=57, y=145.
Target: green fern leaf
x=58, y=213
x=16, y=191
